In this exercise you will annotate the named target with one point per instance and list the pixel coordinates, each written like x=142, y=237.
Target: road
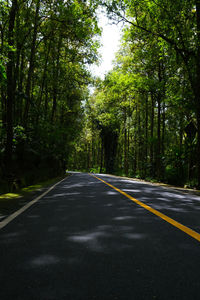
x=85, y=240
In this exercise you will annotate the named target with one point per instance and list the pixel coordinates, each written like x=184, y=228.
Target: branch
x=182, y=51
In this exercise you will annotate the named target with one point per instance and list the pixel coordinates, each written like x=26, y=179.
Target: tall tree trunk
x=55, y=81
x=16, y=75
x=46, y=101
x=20, y=88
x=110, y=141
x=44, y=76
x=125, y=144
x=10, y=92
x=3, y=96
x=163, y=130
x=128, y=143
x=146, y=132
x=158, y=164
x=139, y=141
x=93, y=154
x=88, y=156
x=152, y=135
x=197, y=92
x=31, y=63
x=101, y=159
x=158, y=159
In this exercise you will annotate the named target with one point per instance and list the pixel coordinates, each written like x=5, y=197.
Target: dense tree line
x=144, y=119
x=45, y=48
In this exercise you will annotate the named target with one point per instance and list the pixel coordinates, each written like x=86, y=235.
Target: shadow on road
x=85, y=241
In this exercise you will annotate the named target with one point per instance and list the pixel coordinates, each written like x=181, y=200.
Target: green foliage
x=2, y=73
x=47, y=53
x=150, y=96
x=135, y=123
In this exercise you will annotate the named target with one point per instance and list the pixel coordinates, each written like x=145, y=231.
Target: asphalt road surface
x=84, y=240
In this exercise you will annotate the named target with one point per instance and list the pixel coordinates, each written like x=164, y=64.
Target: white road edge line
x=7, y=220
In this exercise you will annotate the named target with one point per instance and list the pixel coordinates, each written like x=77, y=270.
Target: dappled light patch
x=134, y=236
x=111, y=193
x=45, y=260
x=123, y=218
x=108, y=205
x=72, y=194
x=105, y=238
x=56, y=195
x=132, y=190
x=75, y=185
x=52, y=229
x=156, y=193
x=86, y=237
x=13, y=237
x=9, y=196
x=178, y=196
x=92, y=239
x=33, y=216
x=11, y=202
x=163, y=199
x=173, y=203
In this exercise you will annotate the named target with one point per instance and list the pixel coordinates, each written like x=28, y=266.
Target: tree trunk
x=163, y=130
x=146, y=132
x=16, y=75
x=31, y=63
x=139, y=141
x=159, y=96
x=158, y=165
x=44, y=76
x=125, y=145
x=10, y=93
x=197, y=91
x=20, y=88
x=101, y=161
x=110, y=140
x=152, y=136
x=55, y=81
x=46, y=102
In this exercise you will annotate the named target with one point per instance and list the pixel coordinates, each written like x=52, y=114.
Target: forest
x=142, y=120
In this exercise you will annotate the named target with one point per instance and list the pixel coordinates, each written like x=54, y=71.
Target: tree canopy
x=46, y=47
x=150, y=101
x=143, y=118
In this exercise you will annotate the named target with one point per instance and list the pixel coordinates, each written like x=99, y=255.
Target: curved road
x=85, y=240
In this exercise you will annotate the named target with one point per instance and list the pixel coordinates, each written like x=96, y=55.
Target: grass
x=12, y=201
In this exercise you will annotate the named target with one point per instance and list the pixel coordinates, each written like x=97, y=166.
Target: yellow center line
x=176, y=224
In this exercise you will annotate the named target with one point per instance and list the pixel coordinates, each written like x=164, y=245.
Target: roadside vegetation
x=143, y=119
x=45, y=50
x=12, y=201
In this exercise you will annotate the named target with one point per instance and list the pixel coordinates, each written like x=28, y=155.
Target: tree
x=176, y=25
x=46, y=47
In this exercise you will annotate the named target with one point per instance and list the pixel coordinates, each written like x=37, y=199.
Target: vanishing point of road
x=103, y=238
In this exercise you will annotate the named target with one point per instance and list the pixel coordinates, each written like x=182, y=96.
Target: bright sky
x=110, y=41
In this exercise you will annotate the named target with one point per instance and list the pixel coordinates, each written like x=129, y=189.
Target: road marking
x=25, y=207
x=176, y=224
